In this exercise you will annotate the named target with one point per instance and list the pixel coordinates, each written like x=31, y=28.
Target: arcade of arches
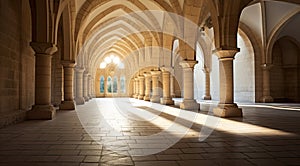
x=60, y=54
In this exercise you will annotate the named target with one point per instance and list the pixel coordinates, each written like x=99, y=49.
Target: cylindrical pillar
x=137, y=91
x=42, y=108
x=147, y=86
x=68, y=102
x=155, y=88
x=85, y=86
x=172, y=86
x=166, y=99
x=141, y=87
x=90, y=86
x=133, y=88
x=207, y=95
x=189, y=103
x=79, y=86
x=267, y=98
x=93, y=88
x=226, y=107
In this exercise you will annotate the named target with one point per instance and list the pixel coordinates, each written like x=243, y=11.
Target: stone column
x=266, y=98
x=172, y=86
x=155, y=98
x=79, y=86
x=207, y=95
x=119, y=87
x=93, y=88
x=189, y=103
x=136, y=80
x=133, y=88
x=226, y=106
x=42, y=108
x=68, y=102
x=85, y=86
x=90, y=87
x=141, y=87
x=105, y=86
x=147, y=86
x=166, y=99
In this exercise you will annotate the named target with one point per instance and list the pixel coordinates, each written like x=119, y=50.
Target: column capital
x=155, y=72
x=147, y=74
x=86, y=73
x=43, y=48
x=79, y=69
x=68, y=64
x=266, y=66
x=141, y=77
x=188, y=64
x=226, y=53
x=166, y=69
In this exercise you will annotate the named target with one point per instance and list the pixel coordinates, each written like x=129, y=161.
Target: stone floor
x=133, y=132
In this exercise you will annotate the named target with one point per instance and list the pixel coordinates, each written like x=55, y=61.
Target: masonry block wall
x=16, y=61
x=56, y=78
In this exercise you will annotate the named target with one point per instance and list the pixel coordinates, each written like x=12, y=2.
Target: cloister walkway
x=126, y=131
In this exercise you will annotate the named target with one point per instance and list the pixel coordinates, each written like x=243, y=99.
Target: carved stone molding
x=43, y=48
x=188, y=64
x=226, y=54
x=68, y=64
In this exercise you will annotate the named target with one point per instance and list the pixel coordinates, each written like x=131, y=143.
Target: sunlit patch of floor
x=160, y=125
x=134, y=132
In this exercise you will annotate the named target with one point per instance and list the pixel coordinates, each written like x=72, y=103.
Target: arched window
x=101, y=84
x=109, y=85
x=122, y=84
x=115, y=84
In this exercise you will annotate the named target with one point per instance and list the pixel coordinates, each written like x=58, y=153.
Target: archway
x=244, y=70
x=284, y=76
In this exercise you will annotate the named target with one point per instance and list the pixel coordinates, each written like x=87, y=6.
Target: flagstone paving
x=264, y=136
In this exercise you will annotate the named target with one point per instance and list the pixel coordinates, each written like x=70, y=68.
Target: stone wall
x=284, y=73
x=16, y=61
x=56, y=78
x=244, y=72
x=199, y=76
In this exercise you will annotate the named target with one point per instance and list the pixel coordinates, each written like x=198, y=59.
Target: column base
x=173, y=95
x=147, y=98
x=267, y=99
x=67, y=105
x=136, y=96
x=206, y=97
x=166, y=101
x=155, y=99
x=41, y=112
x=228, y=110
x=191, y=105
x=141, y=97
x=86, y=98
x=79, y=100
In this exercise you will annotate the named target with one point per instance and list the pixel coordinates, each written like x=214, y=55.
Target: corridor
x=127, y=131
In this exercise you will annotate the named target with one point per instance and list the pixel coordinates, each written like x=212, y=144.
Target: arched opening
x=176, y=59
x=199, y=76
x=102, y=88
x=109, y=84
x=284, y=75
x=244, y=70
x=115, y=85
x=122, y=85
